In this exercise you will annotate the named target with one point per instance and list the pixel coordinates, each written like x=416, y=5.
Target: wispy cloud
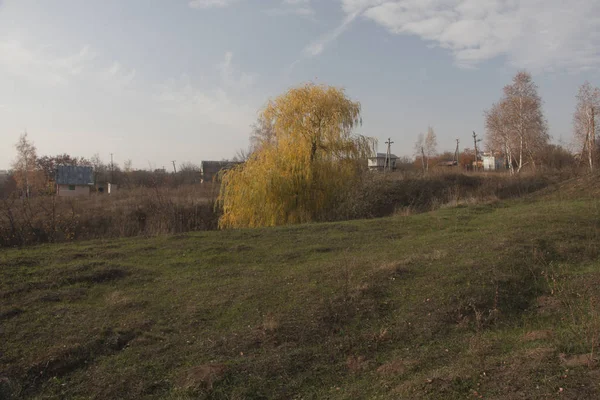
x=182, y=98
x=231, y=77
x=217, y=106
x=315, y=48
x=301, y=8
x=537, y=34
x=40, y=66
x=120, y=74
x=210, y=3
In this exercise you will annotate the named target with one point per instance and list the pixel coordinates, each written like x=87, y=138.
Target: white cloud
x=536, y=34
x=210, y=3
x=232, y=78
x=40, y=67
x=120, y=75
x=216, y=106
x=182, y=99
x=301, y=8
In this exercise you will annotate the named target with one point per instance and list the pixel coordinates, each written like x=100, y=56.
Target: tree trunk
x=590, y=137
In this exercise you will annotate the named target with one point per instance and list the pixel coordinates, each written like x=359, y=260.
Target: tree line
x=517, y=130
x=31, y=174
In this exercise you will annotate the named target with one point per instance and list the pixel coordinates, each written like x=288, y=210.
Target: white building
x=492, y=163
x=381, y=162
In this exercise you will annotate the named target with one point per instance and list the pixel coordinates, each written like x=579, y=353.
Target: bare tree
x=517, y=123
x=25, y=164
x=499, y=137
x=420, y=150
x=99, y=167
x=262, y=132
x=242, y=155
x=585, y=128
x=430, y=144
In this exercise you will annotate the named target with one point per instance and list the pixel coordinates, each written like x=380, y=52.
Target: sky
x=154, y=81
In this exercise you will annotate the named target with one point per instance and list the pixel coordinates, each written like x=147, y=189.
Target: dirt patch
x=578, y=360
x=393, y=368
x=201, y=377
x=396, y=269
x=547, y=304
x=356, y=364
x=241, y=248
x=537, y=335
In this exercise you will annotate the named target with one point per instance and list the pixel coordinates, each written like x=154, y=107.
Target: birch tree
x=517, y=123
x=499, y=136
x=430, y=144
x=24, y=165
x=585, y=128
x=420, y=151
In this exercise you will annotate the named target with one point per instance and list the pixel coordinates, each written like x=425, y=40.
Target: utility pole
x=388, y=155
x=174, y=167
x=112, y=168
x=475, y=141
x=456, y=152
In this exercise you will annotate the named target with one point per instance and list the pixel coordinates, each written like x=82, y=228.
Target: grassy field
x=493, y=301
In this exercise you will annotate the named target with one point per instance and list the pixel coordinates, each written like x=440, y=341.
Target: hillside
x=495, y=301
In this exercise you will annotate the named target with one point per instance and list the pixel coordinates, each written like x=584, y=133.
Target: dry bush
x=379, y=195
x=141, y=211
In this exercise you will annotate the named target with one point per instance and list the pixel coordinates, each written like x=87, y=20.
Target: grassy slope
x=491, y=300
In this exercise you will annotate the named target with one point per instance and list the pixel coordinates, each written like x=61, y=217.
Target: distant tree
x=585, y=126
x=48, y=164
x=516, y=125
x=556, y=157
x=430, y=144
x=419, y=152
x=405, y=163
x=100, y=169
x=24, y=166
x=467, y=157
x=306, y=163
x=242, y=155
x=128, y=166
x=263, y=132
x=190, y=173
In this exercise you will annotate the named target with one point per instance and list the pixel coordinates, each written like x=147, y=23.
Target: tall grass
x=141, y=211
x=155, y=211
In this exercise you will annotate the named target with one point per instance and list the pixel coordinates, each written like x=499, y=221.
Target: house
x=492, y=163
x=74, y=181
x=211, y=169
x=380, y=162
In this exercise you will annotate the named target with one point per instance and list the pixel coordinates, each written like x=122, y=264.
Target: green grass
x=490, y=300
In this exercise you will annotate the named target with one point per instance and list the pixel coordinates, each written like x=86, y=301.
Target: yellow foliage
x=308, y=160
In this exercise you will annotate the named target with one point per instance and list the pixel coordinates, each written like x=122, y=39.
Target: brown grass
x=140, y=211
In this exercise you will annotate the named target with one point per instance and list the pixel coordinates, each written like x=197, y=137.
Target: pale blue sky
x=161, y=80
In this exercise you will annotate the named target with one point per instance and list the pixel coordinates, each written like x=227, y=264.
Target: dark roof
x=383, y=155
x=70, y=175
x=216, y=166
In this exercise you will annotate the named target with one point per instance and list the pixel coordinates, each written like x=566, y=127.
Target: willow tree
x=308, y=161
